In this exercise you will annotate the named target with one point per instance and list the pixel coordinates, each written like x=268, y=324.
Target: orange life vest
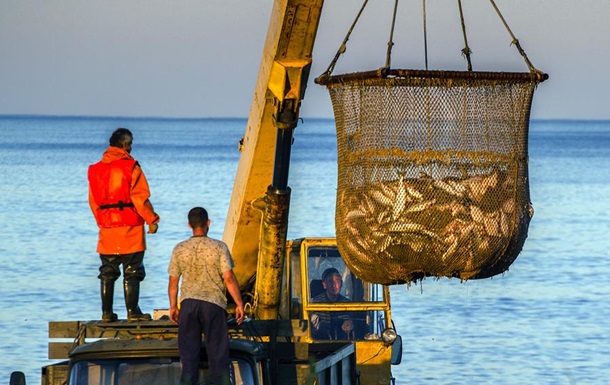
x=110, y=185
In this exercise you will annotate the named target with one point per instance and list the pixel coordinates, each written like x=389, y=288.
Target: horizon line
x=110, y=117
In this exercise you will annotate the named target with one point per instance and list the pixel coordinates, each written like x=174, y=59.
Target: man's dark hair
x=120, y=136
x=329, y=272
x=198, y=217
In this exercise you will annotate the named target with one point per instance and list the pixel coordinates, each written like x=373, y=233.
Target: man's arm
x=140, y=193
x=172, y=293
x=233, y=288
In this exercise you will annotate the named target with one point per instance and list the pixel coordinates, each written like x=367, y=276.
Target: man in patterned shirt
x=205, y=266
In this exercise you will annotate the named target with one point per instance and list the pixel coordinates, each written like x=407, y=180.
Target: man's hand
x=239, y=314
x=153, y=228
x=174, y=314
x=347, y=326
x=315, y=321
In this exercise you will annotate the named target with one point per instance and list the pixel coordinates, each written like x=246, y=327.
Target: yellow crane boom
x=256, y=224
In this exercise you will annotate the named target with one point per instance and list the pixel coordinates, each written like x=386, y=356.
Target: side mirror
x=396, y=358
x=17, y=378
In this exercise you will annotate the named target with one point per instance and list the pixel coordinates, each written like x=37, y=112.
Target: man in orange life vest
x=118, y=196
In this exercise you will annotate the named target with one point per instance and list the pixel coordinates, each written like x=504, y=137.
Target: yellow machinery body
x=277, y=272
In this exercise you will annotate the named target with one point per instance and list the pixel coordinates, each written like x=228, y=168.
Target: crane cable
x=388, y=60
x=425, y=33
x=343, y=46
x=466, y=50
x=515, y=40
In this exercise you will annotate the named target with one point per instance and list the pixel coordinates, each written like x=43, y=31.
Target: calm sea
x=545, y=321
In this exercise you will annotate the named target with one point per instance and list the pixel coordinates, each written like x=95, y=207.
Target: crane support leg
x=272, y=255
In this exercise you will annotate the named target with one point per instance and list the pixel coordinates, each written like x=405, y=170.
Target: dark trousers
x=133, y=266
x=197, y=317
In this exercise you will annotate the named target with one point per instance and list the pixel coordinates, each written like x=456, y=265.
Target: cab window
x=322, y=259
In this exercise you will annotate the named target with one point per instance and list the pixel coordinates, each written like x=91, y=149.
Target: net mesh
x=432, y=174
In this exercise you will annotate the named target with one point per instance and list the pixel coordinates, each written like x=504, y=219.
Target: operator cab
x=325, y=292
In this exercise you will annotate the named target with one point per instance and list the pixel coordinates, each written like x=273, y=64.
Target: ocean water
x=545, y=321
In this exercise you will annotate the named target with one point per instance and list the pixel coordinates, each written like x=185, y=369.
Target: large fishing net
x=432, y=172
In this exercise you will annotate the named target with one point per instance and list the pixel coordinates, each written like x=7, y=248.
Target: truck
x=278, y=277
x=282, y=350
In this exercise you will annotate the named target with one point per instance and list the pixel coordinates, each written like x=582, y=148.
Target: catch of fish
x=429, y=226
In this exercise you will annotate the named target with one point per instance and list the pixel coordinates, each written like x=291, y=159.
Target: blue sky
x=200, y=58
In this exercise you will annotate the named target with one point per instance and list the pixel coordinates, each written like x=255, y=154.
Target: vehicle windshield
x=146, y=371
x=332, y=282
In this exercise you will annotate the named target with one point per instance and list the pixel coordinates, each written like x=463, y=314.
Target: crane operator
x=331, y=325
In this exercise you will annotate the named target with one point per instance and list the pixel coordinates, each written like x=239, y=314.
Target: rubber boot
x=132, y=297
x=107, y=293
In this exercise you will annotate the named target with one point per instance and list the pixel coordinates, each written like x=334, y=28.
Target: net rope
x=432, y=172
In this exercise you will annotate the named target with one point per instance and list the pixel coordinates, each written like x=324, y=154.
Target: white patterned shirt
x=200, y=262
